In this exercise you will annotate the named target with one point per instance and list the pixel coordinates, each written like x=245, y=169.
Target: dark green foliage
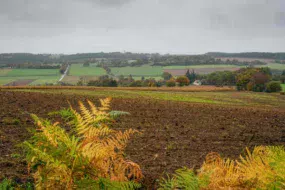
x=106, y=184
x=253, y=79
x=191, y=75
x=137, y=83
x=63, y=67
x=86, y=64
x=256, y=55
x=220, y=78
x=166, y=76
x=6, y=185
x=273, y=86
x=125, y=81
x=103, y=81
x=184, y=179
x=66, y=114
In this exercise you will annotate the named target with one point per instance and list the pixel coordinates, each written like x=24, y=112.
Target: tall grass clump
x=90, y=156
x=263, y=168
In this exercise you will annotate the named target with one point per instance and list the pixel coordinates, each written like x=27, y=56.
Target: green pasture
x=92, y=70
x=39, y=80
x=199, y=66
x=283, y=87
x=276, y=66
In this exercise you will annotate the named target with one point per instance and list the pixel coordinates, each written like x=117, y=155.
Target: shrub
x=166, y=76
x=273, y=86
x=261, y=169
x=137, y=83
x=86, y=64
x=90, y=155
x=257, y=76
x=170, y=83
x=249, y=86
x=105, y=82
x=183, y=81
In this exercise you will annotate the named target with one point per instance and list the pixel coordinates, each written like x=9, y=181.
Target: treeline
x=20, y=58
x=63, y=67
x=29, y=65
x=106, y=81
x=200, y=60
x=259, y=55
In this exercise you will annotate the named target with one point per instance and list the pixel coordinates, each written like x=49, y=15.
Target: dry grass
x=176, y=89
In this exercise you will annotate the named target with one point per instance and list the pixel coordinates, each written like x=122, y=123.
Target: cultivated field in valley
x=137, y=71
x=176, y=128
x=92, y=70
x=36, y=76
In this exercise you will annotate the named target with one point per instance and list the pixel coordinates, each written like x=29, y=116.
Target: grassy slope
x=265, y=100
x=283, y=86
x=79, y=70
x=201, y=66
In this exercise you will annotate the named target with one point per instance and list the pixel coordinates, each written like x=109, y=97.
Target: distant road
x=64, y=74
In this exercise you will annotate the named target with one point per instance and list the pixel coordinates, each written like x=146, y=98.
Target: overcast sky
x=163, y=26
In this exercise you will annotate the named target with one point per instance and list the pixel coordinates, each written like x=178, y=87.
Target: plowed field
x=173, y=134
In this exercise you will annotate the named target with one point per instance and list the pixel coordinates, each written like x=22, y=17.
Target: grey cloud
x=108, y=3
x=142, y=25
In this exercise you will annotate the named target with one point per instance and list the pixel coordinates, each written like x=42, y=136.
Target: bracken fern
x=264, y=168
x=92, y=157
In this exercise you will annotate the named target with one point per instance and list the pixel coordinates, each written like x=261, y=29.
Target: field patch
x=200, y=66
x=92, y=70
x=42, y=80
x=4, y=72
x=149, y=71
x=33, y=72
x=22, y=82
x=276, y=66
x=5, y=80
x=179, y=72
x=37, y=80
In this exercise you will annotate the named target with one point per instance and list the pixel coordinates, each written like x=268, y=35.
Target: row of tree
x=29, y=65
x=117, y=59
x=255, y=55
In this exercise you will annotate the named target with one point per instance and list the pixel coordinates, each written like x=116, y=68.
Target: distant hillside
x=124, y=59
x=256, y=55
x=18, y=58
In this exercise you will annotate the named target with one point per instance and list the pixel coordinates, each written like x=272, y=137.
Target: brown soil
x=174, y=134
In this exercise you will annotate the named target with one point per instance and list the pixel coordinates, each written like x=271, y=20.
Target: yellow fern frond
x=223, y=173
x=105, y=104
x=93, y=108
